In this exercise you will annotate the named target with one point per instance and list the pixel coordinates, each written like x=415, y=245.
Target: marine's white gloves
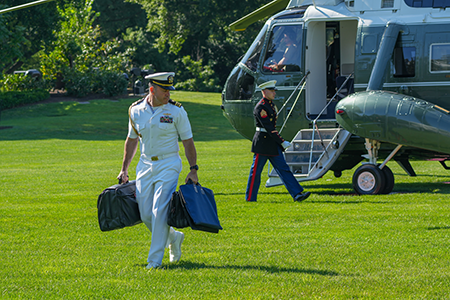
x=285, y=144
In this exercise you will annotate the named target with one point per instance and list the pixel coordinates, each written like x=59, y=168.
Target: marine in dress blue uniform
x=268, y=144
x=157, y=122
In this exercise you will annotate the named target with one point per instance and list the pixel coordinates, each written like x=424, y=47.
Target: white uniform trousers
x=155, y=183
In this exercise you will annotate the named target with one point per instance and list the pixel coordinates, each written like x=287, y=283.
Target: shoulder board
x=129, y=115
x=176, y=103
x=137, y=102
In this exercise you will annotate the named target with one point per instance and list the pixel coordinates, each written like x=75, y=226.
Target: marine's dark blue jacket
x=266, y=143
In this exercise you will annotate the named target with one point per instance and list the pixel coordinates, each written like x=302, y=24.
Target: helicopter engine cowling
x=397, y=119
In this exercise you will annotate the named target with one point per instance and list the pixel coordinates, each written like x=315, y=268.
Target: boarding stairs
x=312, y=153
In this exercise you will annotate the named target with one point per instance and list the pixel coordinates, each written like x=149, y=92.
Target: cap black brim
x=166, y=87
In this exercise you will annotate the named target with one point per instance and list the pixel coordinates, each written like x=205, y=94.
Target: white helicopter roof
x=298, y=3
x=374, y=11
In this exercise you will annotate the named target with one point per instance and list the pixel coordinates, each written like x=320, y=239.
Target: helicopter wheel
x=389, y=180
x=368, y=179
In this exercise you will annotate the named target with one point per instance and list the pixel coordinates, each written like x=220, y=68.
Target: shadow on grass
x=399, y=188
x=187, y=265
x=439, y=188
x=439, y=228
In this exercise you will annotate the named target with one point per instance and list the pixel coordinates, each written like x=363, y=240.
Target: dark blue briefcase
x=201, y=207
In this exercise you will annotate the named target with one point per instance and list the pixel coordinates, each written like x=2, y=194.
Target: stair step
x=301, y=157
x=305, y=145
x=298, y=161
x=296, y=169
x=306, y=134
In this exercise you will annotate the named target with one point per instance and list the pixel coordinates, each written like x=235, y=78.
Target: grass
x=58, y=157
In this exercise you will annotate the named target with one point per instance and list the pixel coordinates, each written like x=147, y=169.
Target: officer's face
x=162, y=95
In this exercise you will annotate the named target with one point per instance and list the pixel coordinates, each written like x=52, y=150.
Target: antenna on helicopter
x=24, y=6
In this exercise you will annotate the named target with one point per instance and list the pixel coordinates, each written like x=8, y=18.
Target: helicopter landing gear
x=372, y=178
x=368, y=179
x=389, y=180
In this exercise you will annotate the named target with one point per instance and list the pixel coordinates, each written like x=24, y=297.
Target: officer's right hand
x=123, y=177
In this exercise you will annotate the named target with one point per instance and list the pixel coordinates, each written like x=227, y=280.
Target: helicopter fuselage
x=320, y=54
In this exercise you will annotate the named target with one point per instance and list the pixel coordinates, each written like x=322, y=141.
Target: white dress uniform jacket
x=159, y=167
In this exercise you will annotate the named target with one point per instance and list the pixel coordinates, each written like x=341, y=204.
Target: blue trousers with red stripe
x=279, y=164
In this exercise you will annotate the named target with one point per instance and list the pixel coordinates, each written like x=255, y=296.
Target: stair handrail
x=296, y=88
x=295, y=103
x=334, y=96
x=315, y=126
x=326, y=151
x=312, y=143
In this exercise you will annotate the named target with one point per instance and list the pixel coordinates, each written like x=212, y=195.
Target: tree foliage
x=78, y=44
x=116, y=17
x=11, y=40
x=24, y=32
x=189, y=37
x=199, y=29
x=201, y=77
x=79, y=58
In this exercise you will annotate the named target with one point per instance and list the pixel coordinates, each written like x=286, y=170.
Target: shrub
x=22, y=82
x=81, y=84
x=113, y=83
x=15, y=98
x=77, y=83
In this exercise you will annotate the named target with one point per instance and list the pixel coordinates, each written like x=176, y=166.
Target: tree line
x=75, y=43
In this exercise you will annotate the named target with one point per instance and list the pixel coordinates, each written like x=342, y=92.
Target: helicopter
x=357, y=82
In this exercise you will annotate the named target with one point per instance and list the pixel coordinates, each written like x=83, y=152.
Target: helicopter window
x=440, y=58
x=404, y=62
x=428, y=3
x=291, y=14
x=283, y=52
x=251, y=58
x=369, y=43
x=240, y=85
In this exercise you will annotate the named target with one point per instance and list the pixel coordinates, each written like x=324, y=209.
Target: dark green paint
x=396, y=119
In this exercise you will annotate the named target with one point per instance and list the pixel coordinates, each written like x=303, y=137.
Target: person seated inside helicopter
x=290, y=56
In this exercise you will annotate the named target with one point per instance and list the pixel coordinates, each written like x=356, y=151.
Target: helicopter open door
x=330, y=57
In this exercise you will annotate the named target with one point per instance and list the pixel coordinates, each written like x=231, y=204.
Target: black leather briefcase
x=117, y=207
x=177, y=216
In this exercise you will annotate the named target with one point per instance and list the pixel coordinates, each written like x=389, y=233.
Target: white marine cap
x=269, y=85
x=163, y=79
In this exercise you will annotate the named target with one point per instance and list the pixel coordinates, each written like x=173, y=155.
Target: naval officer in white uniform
x=157, y=122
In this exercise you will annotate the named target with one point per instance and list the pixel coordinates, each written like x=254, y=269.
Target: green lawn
x=58, y=157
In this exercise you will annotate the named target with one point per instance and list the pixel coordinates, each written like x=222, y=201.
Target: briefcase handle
x=191, y=182
x=195, y=186
x=120, y=180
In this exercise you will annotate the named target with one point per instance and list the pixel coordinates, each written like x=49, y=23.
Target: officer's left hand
x=192, y=176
